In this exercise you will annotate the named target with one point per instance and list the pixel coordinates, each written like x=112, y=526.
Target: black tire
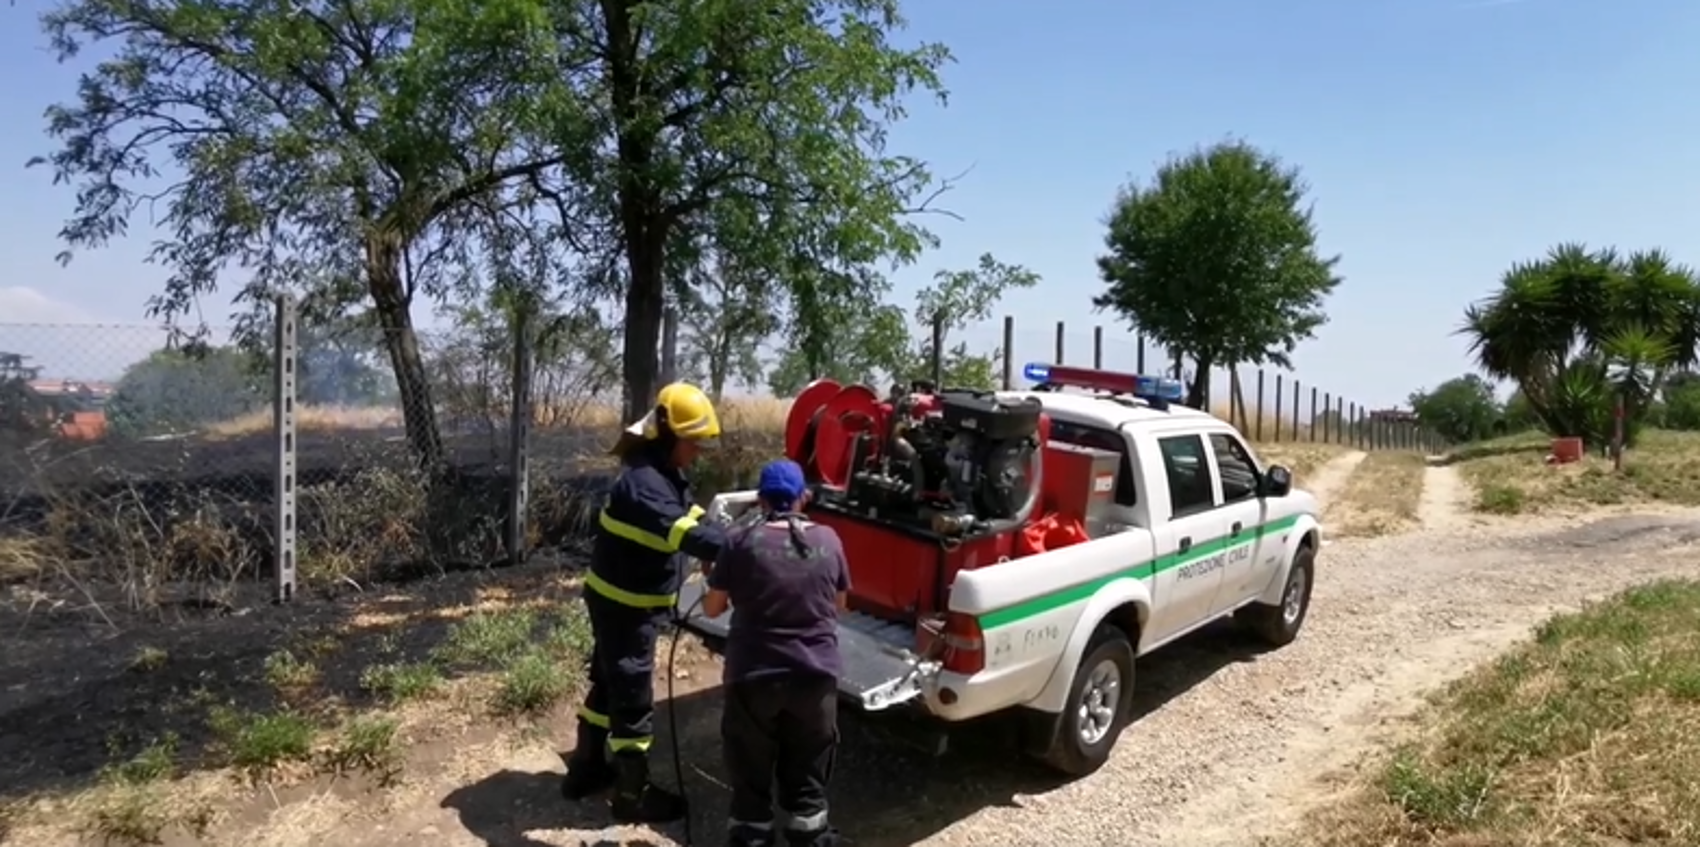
x=1072, y=751
x=1279, y=625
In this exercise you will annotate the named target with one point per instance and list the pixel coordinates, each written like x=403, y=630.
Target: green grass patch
x=1587, y=735
x=398, y=682
x=257, y=742
x=1511, y=476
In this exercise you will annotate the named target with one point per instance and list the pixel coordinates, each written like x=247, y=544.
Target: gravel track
x=1228, y=745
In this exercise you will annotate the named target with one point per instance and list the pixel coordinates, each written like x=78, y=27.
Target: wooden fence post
x=1008, y=352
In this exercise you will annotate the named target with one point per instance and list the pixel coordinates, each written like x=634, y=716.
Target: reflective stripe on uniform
x=645, y=538
x=628, y=598
x=594, y=718
x=621, y=745
x=808, y=823
x=759, y=826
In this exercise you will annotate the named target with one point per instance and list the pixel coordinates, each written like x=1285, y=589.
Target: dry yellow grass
x=1590, y=735
x=1380, y=497
x=310, y=418
x=1303, y=459
x=22, y=557
x=1510, y=475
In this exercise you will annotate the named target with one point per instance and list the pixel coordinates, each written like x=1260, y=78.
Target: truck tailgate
x=880, y=669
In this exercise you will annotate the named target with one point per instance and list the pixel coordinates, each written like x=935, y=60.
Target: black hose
x=673, y=715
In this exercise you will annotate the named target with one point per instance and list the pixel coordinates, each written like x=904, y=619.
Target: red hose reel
x=821, y=429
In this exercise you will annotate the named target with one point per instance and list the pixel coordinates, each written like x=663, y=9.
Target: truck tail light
x=964, y=644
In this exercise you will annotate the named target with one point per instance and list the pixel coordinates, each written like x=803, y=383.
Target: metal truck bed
x=880, y=669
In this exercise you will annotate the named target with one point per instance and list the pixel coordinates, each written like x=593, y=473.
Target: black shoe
x=812, y=838
x=636, y=800
x=749, y=836
x=585, y=778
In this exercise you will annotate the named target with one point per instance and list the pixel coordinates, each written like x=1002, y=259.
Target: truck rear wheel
x=1099, y=701
x=1279, y=624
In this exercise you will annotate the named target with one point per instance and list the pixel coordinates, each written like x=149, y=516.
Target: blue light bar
x=1160, y=387
x=1159, y=391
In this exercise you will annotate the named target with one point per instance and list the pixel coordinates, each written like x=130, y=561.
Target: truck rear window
x=1101, y=439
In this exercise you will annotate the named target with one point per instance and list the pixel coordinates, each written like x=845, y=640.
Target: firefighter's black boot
x=588, y=770
x=742, y=835
x=827, y=837
x=636, y=800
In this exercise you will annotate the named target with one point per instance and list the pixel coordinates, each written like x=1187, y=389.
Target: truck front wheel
x=1279, y=624
x=1099, y=701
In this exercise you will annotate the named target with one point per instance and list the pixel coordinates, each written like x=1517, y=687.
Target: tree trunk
x=401, y=342
x=1198, y=395
x=719, y=364
x=640, y=365
x=1237, y=391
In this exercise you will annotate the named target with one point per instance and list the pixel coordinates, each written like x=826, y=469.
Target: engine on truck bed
x=948, y=461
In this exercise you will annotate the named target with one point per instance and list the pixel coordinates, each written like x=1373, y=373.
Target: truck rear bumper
x=880, y=670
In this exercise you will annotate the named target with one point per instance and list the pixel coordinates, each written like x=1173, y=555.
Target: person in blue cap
x=788, y=580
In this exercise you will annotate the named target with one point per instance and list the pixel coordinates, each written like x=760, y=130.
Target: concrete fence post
x=284, y=357
x=519, y=430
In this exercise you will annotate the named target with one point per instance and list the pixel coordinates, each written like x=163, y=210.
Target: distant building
x=87, y=393
x=1393, y=415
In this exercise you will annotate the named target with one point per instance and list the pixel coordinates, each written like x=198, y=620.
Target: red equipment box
x=1080, y=482
x=902, y=572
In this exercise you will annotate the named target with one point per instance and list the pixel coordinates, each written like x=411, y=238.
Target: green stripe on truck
x=1145, y=570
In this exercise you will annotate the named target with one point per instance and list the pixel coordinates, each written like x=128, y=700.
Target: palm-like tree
x=1579, y=328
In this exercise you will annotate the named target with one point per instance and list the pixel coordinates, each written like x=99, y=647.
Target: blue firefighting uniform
x=646, y=531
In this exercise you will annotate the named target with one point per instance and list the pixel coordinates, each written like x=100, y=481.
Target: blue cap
x=781, y=482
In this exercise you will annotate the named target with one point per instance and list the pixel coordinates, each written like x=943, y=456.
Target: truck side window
x=1101, y=439
x=1235, y=468
x=1190, y=489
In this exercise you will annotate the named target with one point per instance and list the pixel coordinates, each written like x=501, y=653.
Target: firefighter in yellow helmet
x=648, y=532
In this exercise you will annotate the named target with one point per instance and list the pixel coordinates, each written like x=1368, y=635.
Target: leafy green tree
x=347, y=150
x=1459, y=410
x=761, y=133
x=1217, y=257
x=726, y=316
x=1580, y=330
x=952, y=302
x=1682, y=401
x=875, y=347
x=178, y=390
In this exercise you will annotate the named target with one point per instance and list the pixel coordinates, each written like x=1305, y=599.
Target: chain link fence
x=300, y=461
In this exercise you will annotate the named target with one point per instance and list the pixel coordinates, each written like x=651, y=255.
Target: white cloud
x=21, y=304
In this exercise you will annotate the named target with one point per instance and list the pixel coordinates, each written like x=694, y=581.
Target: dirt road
x=1227, y=746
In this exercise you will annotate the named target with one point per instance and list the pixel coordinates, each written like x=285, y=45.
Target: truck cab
x=1186, y=526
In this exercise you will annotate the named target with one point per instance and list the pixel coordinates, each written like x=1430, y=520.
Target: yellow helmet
x=688, y=411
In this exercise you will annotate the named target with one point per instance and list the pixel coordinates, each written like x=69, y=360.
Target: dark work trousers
x=622, y=668
x=780, y=729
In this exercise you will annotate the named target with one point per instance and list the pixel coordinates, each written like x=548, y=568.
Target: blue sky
x=1443, y=140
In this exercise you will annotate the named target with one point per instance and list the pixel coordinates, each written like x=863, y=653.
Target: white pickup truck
x=1199, y=530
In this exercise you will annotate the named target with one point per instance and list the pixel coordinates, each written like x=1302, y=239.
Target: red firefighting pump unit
x=924, y=483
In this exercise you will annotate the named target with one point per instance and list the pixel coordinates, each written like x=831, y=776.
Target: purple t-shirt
x=784, y=600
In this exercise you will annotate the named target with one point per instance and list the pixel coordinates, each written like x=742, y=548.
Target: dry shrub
x=149, y=540
x=384, y=522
